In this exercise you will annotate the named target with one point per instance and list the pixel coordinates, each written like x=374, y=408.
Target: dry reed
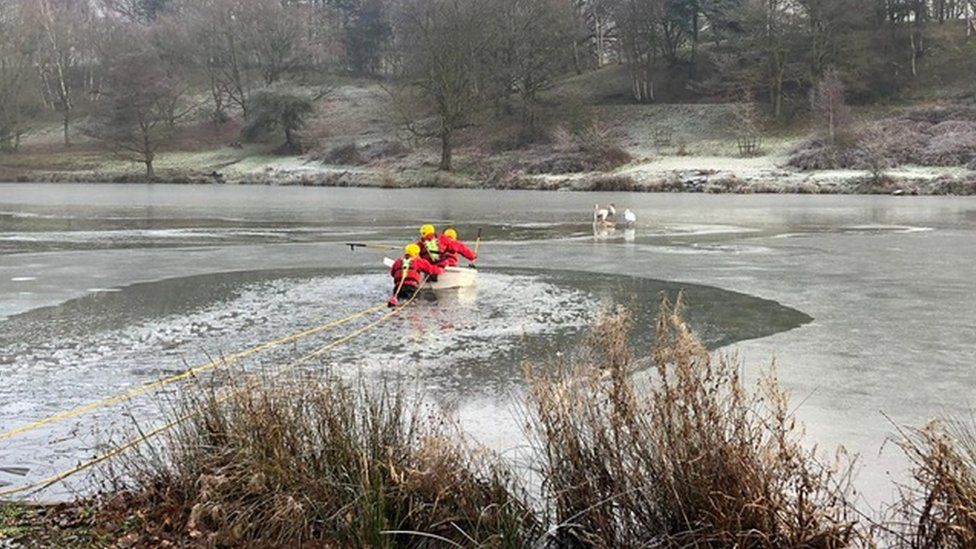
x=283, y=464
x=670, y=448
x=687, y=458
x=939, y=509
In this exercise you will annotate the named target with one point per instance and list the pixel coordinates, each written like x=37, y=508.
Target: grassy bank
x=670, y=448
x=592, y=146
x=682, y=175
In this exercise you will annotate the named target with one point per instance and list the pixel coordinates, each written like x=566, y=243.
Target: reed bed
x=688, y=457
x=938, y=510
x=660, y=447
x=327, y=464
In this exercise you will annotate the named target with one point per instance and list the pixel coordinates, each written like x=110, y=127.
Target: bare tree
x=18, y=53
x=874, y=153
x=916, y=36
x=275, y=37
x=969, y=16
x=61, y=48
x=446, y=42
x=527, y=50
x=215, y=40
x=595, y=30
x=773, y=30
x=137, y=115
x=367, y=32
x=677, y=20
x=830, y=25
x=639, y=35
x=829, y=107
x=236, y=42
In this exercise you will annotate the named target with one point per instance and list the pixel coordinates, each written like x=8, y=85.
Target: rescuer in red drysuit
x=432, y=245
x=407, y=273
x=454, y=247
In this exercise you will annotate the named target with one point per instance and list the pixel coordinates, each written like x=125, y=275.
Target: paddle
x=354, y=245
x=477, y=244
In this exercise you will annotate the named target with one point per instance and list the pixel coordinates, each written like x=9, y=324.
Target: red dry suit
x=433, y=246
x=449, y=257
x=410, y=269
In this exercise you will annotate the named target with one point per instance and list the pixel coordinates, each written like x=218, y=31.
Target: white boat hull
x=452, y=278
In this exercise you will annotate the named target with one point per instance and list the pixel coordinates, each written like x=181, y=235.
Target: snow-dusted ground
x=700, y=155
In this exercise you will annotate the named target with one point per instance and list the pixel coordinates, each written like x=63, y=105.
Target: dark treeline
x=128, y=71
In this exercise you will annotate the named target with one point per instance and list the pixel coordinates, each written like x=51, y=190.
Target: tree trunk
x=446, y=151
x=599, y=41
x=66, y=120
x=830, y=125
x=911, y=37
x=969, y=8
x=528, y=114
x=291, y=145
x=777, y=93
x=150, y=173
x=643, y=84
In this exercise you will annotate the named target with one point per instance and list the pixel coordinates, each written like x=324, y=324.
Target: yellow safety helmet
x=412, y=250
x=426, y=230
x=450, y=233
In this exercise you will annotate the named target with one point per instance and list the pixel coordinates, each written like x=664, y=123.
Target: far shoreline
x=930, y=182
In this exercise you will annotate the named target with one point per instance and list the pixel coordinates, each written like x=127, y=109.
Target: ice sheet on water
x=33, y=215
x=878, y=228
x=458, y=325
x=699, y=248
x=451, y=339
x=701, y=229
x=175, y=235
x=460, y=331
x=867, y=229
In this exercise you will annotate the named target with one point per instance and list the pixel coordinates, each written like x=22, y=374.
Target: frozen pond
x=866, y=303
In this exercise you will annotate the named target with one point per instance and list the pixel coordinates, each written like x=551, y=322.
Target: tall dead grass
x=938, y=510
x=689, y=457
x=286, y=464
x=666, y=448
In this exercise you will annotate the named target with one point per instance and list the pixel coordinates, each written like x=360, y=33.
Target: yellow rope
x=184, y=375
x=48, y=481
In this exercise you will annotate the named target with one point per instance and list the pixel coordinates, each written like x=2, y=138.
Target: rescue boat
x=452, y=278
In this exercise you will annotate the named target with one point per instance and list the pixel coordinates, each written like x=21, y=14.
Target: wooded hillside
x=129, y=73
